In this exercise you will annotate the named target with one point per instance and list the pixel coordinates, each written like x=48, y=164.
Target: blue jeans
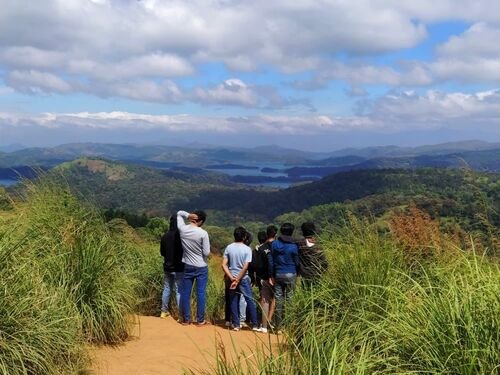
x=200, y=274
x=171, y=282
x=283, y=292
x=244, y=289
x=227, y=307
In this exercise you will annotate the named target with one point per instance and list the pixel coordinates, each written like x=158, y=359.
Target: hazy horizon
x=19, y=146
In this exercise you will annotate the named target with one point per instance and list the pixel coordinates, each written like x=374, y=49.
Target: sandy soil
x=163, y=346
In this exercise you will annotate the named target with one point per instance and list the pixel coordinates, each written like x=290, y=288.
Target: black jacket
x=259, y=268
x=313, y=263
x=171, y=248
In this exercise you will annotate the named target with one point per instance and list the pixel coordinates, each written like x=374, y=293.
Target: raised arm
x=181, y=219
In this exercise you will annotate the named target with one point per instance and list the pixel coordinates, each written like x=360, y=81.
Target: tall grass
x=374, y=313
x=40, y=327
x=449, y=321
x=66, y=279
x=215, y=289
x=77, y=253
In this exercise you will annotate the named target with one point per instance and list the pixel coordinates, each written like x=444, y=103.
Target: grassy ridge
x=67, y=279
x=374, y=312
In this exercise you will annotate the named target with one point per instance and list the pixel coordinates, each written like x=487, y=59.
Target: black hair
x=239, y=234
x=202, y=215
x=248, y=239
x=287, y=229
x=308, y=229
x=262, y=236
x=271, y=231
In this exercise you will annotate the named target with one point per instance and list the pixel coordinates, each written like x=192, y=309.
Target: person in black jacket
x=313, y=263
x=171, y=250
x=261, y=274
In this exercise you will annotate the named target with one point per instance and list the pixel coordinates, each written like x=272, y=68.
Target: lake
x=5, y=182
x=255, y=169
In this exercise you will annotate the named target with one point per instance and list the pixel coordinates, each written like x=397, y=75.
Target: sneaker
x=164, y=314
x=236, y=328
x=257, y=329
x=243, y=325
x=227, y=324
x=263, y=329
x=201, y=324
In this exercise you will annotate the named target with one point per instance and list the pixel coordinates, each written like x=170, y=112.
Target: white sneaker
x=263, y=329
x=236, y=328
x=257, y=329
x=243, y=324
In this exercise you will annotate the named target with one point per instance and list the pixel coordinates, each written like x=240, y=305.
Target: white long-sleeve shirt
x=195, y=242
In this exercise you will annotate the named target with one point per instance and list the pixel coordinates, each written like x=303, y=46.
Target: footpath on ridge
x=164, y=347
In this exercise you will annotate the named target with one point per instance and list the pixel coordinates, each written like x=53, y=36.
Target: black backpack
x=171, y=248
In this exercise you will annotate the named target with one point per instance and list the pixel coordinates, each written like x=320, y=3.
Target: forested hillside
x=137, y=188
x=448, y=190
x=462, y=201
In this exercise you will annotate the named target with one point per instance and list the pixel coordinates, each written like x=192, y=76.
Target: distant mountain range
x=187, y=156
x=11, y=147
x=437, y=149
x=299, y=166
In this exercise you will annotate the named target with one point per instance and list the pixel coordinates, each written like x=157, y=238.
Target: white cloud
x=143, y=90
x=290, y=35
x=473, y=56
x=231, y=92
x=138, y=48
x=359, y=74
x=400, y=112
x=34, y=82
x=437, y=109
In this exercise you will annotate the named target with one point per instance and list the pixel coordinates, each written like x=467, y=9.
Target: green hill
x=137, y=188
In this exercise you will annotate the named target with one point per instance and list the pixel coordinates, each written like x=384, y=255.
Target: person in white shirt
x=196, y=248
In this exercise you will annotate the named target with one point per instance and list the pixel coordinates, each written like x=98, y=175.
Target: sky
x=314, y=75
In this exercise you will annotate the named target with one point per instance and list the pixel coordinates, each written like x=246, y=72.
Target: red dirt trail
x=164, y=347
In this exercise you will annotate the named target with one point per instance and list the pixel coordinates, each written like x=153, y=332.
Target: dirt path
x=163, y=346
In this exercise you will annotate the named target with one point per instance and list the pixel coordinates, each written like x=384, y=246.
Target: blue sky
x=317, y=75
